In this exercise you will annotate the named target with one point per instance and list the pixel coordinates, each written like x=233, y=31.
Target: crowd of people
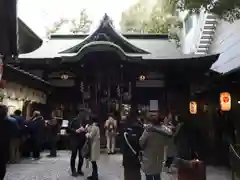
x=142, y=144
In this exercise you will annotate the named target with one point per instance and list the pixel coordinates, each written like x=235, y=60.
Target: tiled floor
x=58, y=169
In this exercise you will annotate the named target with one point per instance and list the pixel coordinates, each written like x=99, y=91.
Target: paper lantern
x=225, y=101
x=193, y=107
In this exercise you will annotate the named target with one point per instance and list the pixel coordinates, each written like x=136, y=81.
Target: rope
x=234, y=151
x=129, y=145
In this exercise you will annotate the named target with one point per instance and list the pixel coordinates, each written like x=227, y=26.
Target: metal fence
x=235, y=161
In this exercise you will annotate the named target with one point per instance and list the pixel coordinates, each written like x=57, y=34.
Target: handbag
x=86, y=150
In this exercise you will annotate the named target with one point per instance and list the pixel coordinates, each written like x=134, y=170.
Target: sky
x=41, y=14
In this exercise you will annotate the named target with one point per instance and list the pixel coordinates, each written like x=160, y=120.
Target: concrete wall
x=227, y=42
x=188, y=41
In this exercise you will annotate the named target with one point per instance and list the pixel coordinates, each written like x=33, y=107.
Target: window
x=188, y=23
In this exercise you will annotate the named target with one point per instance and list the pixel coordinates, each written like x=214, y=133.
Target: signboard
x=153, y=105
x=65, y=123
x=225, y=101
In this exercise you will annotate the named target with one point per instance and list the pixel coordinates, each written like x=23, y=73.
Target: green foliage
x=226, y=9
x=135, y=20
x=160, y=20
x=82, y=24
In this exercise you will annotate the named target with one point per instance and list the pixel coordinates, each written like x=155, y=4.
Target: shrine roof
x=69, y=45
x=159, y=45
x=28, y=40
x=134, y=47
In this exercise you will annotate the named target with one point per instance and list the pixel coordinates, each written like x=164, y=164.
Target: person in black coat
x=36, y=129
x=8, y=130
x=53, y=129
x=131, y=163
x=77, y=134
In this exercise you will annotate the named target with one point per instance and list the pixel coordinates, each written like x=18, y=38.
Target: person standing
x=77, y=131
x=17, y=141
x=93, y=135
x=111, y=132
x=153, y=146
x=7, y=131
x=131, y=149
x=53, y=127
x=36, y=129
x=14, y=143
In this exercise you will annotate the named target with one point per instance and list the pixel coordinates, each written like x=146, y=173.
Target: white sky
x=40, y=14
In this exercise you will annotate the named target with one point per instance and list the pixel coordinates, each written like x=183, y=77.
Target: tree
x=56, y=26
x=135, y=19
x=160, y=19
x=226, y=9
x=82, y=24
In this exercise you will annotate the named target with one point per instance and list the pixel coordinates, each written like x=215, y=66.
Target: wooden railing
x=235, y=161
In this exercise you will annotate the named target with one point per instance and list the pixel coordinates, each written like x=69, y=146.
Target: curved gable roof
x=106, y=32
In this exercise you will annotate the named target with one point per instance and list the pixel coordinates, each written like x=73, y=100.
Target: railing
x=235, y=161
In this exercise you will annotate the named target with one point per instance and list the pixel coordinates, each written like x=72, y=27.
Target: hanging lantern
x=225, y=101
x=142, y=77
x=193, y=107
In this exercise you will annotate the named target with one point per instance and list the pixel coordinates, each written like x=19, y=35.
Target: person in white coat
x=93, y=135
x=111, y=132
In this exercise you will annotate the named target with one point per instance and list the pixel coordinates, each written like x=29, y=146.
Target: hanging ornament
x=118, y=91
x=82, y=87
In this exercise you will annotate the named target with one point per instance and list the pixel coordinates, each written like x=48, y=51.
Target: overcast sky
x=41, y=14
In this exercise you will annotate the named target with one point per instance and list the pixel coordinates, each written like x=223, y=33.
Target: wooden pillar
x=8, y=30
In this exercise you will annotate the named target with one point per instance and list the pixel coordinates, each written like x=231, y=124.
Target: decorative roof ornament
x=106, y=21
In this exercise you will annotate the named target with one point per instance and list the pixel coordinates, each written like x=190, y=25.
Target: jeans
x=153, y=177
x=77, y=149
x=53, y=145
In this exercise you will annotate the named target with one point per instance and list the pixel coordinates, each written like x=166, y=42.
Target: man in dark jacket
x=131, y=149
x=17, y=140
x=53, y=129
x=36, y=128
x=7, y=130
x=78, y=139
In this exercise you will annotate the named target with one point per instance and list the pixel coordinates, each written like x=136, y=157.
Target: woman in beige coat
x=93, y=134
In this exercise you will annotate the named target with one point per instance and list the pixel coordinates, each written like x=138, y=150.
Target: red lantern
x=225, y=101
x=193, y=107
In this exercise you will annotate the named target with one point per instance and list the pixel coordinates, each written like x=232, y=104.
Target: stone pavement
x=58, y=169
